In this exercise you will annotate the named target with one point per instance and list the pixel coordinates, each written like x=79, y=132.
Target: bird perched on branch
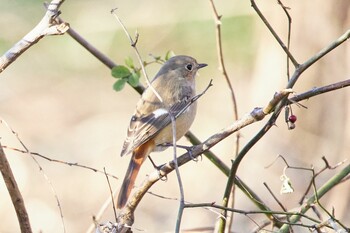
x=150, y=129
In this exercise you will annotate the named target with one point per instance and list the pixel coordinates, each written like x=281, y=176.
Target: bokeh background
x=60, y=101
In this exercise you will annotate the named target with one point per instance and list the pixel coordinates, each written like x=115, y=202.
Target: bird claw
x=162, y=177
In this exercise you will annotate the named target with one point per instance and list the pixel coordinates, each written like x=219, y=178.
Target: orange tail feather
x=138, y=156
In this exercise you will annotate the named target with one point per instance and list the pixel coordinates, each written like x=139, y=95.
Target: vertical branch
x=221, y=59
x=285, y=9
x=15, y=194
x=217, y=19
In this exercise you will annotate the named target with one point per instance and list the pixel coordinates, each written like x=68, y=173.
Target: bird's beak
x=201, y=65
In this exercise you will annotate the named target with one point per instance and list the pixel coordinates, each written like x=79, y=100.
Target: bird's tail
x=138, y=156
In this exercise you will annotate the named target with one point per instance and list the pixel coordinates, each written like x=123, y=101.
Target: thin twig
x=178, y=175
x=111, y=193
x=285, y=9
x=218, y=23
x=284, y=47
x=71, y=164
x=251, y=212
x=133, y=44
x=274, y=197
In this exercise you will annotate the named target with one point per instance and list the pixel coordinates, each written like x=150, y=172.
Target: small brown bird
x=150, y=127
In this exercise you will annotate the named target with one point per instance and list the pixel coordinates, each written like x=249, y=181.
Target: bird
x=150, y=129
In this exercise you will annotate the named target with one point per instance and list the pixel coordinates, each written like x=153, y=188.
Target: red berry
x=292, y=118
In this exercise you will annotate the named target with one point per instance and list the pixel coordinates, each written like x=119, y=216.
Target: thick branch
x=14, y=192
x=47, y=26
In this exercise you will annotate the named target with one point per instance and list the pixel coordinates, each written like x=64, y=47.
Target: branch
x=318, y=91
x=219, y=48
x=15, y=194
x=47, y=26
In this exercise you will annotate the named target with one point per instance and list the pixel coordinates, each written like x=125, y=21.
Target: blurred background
x=60, y=101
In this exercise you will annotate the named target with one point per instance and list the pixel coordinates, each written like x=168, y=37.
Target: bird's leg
x=163, y=178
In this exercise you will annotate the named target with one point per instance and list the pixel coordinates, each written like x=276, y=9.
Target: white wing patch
x=159, y=112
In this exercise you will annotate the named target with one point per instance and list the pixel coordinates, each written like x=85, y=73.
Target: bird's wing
x=143, y=128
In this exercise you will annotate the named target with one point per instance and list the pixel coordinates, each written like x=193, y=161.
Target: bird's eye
x=189, y=67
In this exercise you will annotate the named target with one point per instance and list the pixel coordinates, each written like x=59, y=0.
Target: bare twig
x=15, y=194
x=222, y=66
x=71, y=164
x=284, y=47
x=274, y=197
x=252, y=212
x=285, y=9
x=217, y=19
x=111, y=193
x=47, y=26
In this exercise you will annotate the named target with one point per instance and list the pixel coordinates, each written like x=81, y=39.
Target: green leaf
x=120, y=72
x=129, y=62
x=119, y=84
x=169, y=54
x=134, y=79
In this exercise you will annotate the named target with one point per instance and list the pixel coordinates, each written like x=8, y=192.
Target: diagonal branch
x=47, y=26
